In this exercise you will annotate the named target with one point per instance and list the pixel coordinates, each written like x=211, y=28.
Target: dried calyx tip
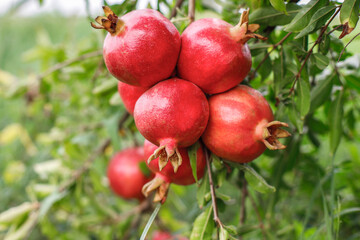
x=272, y=132
x=110, y=23
x=243, y=31
x=161, y=153
x=159, y=186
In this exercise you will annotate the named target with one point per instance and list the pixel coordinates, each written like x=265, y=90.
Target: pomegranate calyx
x=110, y=23
x=243, y=31
x=164, y=157
x=159, y=185
x=272, y=132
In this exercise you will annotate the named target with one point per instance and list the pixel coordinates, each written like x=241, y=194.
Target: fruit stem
x=272, y=132
x=244, y=31
x=110, y=23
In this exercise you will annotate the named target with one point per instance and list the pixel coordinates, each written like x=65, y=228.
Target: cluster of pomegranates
x=183, y=88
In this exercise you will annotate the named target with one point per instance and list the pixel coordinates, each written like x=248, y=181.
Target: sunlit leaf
x=349, y=13
x=203, y=225
x=192, y=153
x=279, y=5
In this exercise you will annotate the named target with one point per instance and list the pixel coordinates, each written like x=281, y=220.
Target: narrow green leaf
x=223, y=234
x=353, y=82
x=255, y=180
x=349, y=12
x=150, y=221
x=321, y=60
x=294, y=116
x=279, y=5
x=302, y=19
x=336, y=113
x=279, y=70
x=203, y=225
x=192, y=153
x=231, y=229
x=303, y=101
x=317, y=20
x=49, y=201
x=270, y=17
x=321, y=92
x=105, y=86
x=202, y=191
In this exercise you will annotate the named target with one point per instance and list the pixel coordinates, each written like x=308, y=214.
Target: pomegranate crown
x=243, y=31
x=110, y=23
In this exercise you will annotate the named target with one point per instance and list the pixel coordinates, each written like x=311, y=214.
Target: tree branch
x=318, y=40
x=212, y=188
x=268, y=54
x=174, y=10
x=191, y=13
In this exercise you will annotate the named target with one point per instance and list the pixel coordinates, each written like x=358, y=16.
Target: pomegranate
x=129, y=95
x=161, y=235
x=214, y=54
x=141, y=48
x=241, y=125
x=173, y=113
x=164, y=177
x=124, y=174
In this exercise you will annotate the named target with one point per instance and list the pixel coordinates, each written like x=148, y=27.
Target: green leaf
x=202, y=191
x=349, y=12
x=336, y=114
x=50, y=200
x=144, y=169
x=105, y=86
x=317, y=20
x=294, y=116
x=279, y=70
x=279, y=5
x=255, y=180
x=270, y=17
x=192, y=153
x=303, y=101
x=203, y=225
x=302, y=19
x=223, y=234
x=321, y=92
x=353, y=82
x=321, y=60
x=14, y=213
x=231, y=229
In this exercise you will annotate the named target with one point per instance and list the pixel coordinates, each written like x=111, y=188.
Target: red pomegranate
x=161, y=235
x=241, y=125
x=124, y=174
x=129, y=95
x=214, y=54
x=141, y=48
x=173, y=113
x=164, y=177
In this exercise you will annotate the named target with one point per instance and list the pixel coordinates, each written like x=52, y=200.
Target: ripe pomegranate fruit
x=141, y=48
x=161, y=235
x=129, y=95
x=214, y=54
x=241, y=125
x=164, y=177
x=173, y=113
x=124, y=174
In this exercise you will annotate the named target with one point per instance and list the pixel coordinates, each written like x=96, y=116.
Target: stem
x=243, y=201
x=212, y=188
x=191, y=13
x=318, y=40
x=342, y=51
x=268, y=54
x=174, y=10
x=60, y=65
x=150, y=221
x=261, y=224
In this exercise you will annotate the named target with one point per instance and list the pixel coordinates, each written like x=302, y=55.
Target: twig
x=334, y=29
x=212, y=189
x=261, y=224
x=342, y=51
x=174, y=10
x=268, y=54
x=191, y=13
x=318, y=40
x=60, y=65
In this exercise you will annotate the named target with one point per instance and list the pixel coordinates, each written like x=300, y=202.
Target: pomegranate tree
x=241, y=125
x=165, y=176
x=214, y=54
x=173, y=113
x=125, y=176
x=141, y=48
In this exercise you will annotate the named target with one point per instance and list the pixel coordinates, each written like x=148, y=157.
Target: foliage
x=62, y=119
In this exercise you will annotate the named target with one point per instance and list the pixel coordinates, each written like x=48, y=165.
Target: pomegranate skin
x=125, y=177
x=210, y=56
x=145, y=51
x=237, y=121
x=184, y=175
x=129, y=95
x=174, y=113
x=161, y=235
